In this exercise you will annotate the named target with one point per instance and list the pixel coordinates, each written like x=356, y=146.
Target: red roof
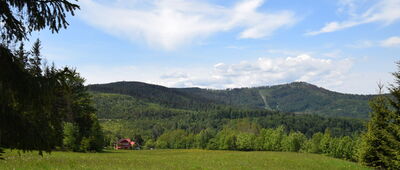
x=125, y=140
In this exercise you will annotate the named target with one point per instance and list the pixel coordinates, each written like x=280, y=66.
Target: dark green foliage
x=166, y=97
x=96, y=137
x=296, y=97
x=381, y=143
x=21, y=17
x=374, y=146
x=87, y=134
x=31, y=116
x=75, y=140
x=138, y=140
x=151, y=120
x=114, y=106
x=218, y=126
x=36, y=102
x=307, y=98
x=394, y=122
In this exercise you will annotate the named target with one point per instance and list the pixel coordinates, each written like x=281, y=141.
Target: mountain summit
x=296, y=97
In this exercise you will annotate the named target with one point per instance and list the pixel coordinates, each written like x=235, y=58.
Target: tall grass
x=174, y=159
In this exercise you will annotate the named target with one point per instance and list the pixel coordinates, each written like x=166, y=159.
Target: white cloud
x=391, y=42
x=287, y=52
x=348, y=6
x=172, y=23
x=333, y=74
x=384, y=11
x=266, y=71
x=362, y=44
x=333, y=54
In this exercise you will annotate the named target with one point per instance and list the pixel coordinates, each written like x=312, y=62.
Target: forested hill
x=164, y=96
x=297, y=97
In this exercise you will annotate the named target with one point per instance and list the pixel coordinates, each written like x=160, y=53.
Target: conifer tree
x=36, y=60
x=394, y=122
x=27, y=118
x=380, y=146
x=22, y=55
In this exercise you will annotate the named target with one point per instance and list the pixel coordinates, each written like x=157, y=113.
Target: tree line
x=38, y=101
x=252, y=139
x=39, y=116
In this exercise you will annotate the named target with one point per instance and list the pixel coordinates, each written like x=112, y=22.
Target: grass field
x=174, y=159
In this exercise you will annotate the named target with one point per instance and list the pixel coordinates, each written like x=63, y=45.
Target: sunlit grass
x=174, y=159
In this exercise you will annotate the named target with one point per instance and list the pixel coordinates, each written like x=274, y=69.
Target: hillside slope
x=298, y=97
x=155, y=94
x=125, y=115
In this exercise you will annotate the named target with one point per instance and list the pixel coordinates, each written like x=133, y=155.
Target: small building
x=125, y=144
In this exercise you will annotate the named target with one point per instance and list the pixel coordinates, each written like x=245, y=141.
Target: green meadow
x=173, y=159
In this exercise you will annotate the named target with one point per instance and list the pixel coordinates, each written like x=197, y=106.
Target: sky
x=342, y=45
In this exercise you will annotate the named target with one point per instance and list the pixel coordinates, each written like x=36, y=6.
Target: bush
x=293, y=142
x=150, y=144
x=245, y=141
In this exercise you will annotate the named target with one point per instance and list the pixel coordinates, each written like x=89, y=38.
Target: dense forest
x=127, y=109
x=149, y=119
x=297, y=97
x=42, y=107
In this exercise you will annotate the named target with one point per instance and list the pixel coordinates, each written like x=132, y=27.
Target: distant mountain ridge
x=297, y=97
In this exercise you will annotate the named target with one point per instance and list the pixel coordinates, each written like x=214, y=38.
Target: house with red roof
x=125, y=144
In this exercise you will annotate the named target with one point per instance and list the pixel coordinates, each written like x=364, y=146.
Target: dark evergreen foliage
x=296, y=97
x=37, y=100
x=381, y=142
x=30, y=114
x=21, y=17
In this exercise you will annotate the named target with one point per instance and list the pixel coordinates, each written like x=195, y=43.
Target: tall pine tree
x=27, y=117
x=394, y=121
x=381, y=143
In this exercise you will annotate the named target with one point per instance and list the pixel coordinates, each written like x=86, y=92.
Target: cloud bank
x=333, y=73
x=267, y=71
x=384, y=11
x=172, y=23
x=391, y=42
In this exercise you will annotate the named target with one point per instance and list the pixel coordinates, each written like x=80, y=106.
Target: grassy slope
x=174, y=159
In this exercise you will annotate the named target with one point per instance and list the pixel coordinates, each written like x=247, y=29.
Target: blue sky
x=342, y=45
